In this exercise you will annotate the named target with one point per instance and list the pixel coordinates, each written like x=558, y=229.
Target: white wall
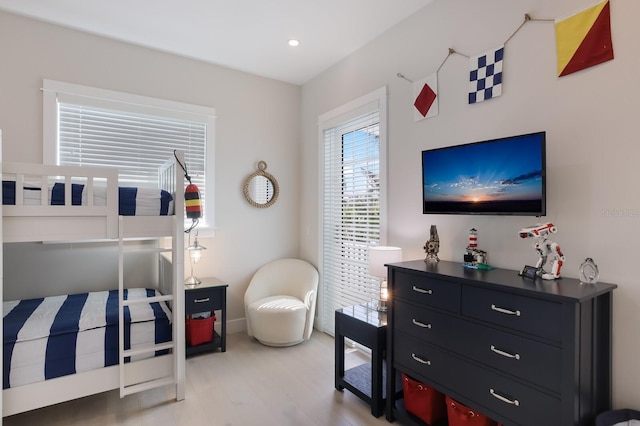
x=257, y=119
x=592, y=142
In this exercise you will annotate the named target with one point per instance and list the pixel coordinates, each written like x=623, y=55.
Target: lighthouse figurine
x=473, y=256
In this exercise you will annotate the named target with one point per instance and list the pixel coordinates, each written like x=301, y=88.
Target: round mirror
x=261, y=188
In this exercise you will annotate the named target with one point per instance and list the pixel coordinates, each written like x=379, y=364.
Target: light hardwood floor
x=249, y=384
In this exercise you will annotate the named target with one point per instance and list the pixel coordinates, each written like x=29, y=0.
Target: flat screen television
x=503, y=176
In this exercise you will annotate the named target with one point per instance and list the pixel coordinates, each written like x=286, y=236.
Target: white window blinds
x=134, y=134
x=136, y=144
x=351, y=212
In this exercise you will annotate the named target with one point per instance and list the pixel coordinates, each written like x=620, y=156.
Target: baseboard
x=234, y=326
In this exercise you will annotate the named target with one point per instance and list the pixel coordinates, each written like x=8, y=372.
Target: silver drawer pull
x=421, y=290
x=503, y=353
x=505, y=311
x=503, y=399
x=420, y=324
x=420, y=360
x=201, y=300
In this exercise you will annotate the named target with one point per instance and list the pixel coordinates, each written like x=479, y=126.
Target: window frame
x=131, y=103
x=333, y=119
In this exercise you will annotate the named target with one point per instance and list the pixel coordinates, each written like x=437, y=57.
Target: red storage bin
x=199, y=330
x=422, y=400
x=461, y=415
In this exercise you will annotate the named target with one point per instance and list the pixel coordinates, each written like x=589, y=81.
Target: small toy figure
x=473, y=256
x=544, y=247
x=432, y=246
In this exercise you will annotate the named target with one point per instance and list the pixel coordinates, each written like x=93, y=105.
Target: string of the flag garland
x=527, y=18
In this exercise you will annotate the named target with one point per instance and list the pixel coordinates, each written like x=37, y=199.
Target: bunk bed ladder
x=129, y=385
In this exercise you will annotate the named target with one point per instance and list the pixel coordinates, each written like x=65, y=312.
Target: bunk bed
x=95, y=213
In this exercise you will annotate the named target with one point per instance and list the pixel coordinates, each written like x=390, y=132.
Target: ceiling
x=247, y=35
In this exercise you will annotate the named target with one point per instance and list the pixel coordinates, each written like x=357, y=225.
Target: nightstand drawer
x=203, y=300
x=532, y=316
x=441, y=294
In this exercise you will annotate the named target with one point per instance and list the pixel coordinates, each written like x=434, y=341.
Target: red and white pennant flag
x=425, y=93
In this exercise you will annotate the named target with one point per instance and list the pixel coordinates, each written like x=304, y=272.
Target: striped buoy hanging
x=192, y=202
x=193, y=206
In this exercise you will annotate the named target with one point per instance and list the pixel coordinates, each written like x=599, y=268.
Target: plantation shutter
x=351, y=212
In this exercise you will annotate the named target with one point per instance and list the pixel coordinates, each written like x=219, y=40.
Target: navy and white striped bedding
x=55, y=336
x=131, y=201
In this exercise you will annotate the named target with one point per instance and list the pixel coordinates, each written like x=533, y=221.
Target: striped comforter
x=55, y=336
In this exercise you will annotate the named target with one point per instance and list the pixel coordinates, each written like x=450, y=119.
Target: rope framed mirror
x=260, y=188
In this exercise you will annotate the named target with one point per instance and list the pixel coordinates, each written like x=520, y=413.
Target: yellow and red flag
x=584, y=39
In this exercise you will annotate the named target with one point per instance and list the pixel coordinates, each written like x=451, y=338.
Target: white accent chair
x=280, y=302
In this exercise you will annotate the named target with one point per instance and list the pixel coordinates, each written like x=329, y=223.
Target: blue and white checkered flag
x=485, y=78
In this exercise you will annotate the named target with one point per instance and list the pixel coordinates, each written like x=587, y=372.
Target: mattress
x=56, y=336
x=132, y=201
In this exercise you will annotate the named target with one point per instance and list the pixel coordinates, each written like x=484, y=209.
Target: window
x=353, y=147
x=85, y=126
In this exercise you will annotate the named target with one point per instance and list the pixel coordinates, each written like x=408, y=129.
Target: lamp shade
x=195, y=255
x=195, y=251
x=379, y=256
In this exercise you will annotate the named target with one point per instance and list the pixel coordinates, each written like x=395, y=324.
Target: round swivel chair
x=280, y=302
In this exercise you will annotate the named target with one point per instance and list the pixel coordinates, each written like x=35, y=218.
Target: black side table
x=366, y=325
x=209, y=296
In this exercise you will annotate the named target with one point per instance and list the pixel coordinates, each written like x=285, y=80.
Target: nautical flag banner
x=584, y=39
x=485, y=78
x=425, y=93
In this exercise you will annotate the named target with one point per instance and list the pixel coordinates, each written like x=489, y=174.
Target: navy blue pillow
x=57, y=194
x=127, y=201
x=8, y=193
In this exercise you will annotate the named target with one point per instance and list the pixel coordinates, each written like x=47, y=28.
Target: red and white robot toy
x=545, y=248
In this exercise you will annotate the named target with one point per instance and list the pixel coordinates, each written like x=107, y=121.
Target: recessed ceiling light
x=293, y=42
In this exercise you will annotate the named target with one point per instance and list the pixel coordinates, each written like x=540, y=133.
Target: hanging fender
x=192, y=202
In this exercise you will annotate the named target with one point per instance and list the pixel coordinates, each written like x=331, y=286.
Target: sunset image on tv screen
x=500, y=176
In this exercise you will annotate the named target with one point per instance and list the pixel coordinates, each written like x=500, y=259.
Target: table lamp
x=378, y=257
x=195, y=254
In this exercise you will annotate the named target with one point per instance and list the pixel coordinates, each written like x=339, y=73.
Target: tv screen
x=495, y=177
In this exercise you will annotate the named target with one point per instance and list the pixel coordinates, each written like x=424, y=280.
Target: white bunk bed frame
x=43, y=222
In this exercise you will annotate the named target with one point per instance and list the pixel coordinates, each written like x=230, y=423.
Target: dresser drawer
x=426, y=324
x=532, y=316
x=203, y=300
x=514, y=400
x=527, y=359
x=489, y=390
x=430, y=291
x=423, y=360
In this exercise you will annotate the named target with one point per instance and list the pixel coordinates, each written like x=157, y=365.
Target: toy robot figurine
x=432, y=246
x=544, y=247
